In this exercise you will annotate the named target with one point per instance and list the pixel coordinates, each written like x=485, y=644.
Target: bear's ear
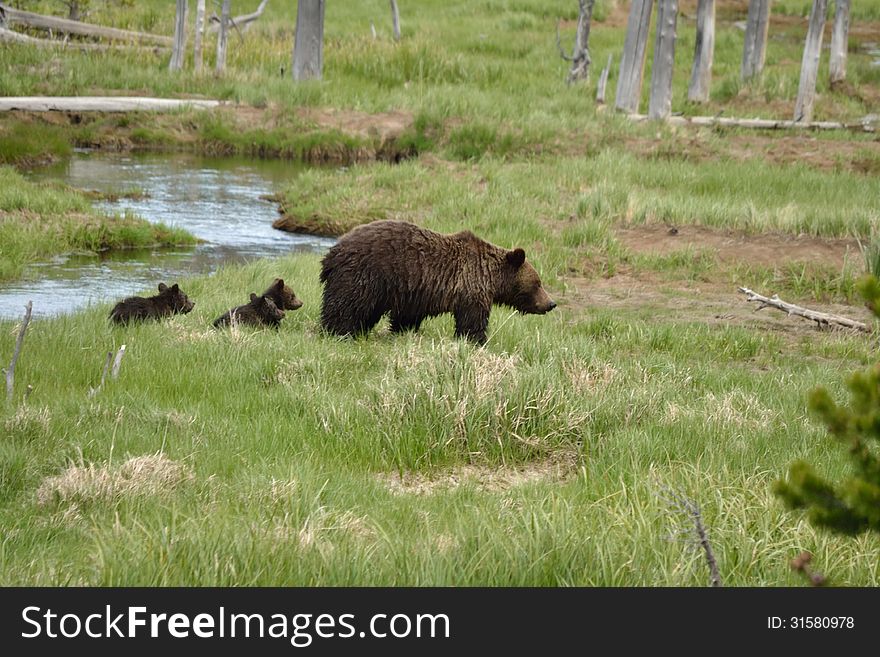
x=253, y=296
x=516, y=258
x=162, y=287
x=175, y=289
x=278, y=283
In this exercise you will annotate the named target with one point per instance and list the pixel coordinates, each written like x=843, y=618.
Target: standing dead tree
x=243, y=22
x=395, y=20
x=660, y=101
x=178, y=49
x=580, y=54
x=199, y=36
x=839, y=41
x=308, y=42
x=803, y=109
x=678, y=503
x=222, y=38
x=16, y=352
x=603, y=81
x=755, y=46
x=632, y=62
x=704, y=51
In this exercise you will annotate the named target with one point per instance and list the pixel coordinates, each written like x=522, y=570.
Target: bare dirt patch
x=767, y=249
x=384, y=126
x=857, y=155
x=559, y=468
x=713, y=303
x=154, y=474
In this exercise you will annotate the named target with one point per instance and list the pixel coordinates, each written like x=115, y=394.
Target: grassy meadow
x=288, y=457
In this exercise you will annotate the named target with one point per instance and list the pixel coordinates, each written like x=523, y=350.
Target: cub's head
x=283, y=296
x=266, y=308
x=175, y=299
x=521, y=287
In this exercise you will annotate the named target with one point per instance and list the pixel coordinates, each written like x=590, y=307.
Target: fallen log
x=102, y=104
x=866, y=124
x=66, y=26
x=15, y=37
x=820, y=318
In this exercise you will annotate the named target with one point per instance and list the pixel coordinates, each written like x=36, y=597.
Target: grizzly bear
x=412, y=273
x=169, y=301
x=260, y=311
x=282, y=295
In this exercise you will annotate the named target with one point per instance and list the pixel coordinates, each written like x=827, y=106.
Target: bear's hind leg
x=401, y=322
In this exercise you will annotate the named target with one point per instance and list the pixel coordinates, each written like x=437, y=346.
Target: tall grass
x=294, y=458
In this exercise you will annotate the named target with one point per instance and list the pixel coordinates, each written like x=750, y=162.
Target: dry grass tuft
x=482, y=477
x=154, y=474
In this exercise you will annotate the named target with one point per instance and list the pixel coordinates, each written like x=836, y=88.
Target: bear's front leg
x=471, y=322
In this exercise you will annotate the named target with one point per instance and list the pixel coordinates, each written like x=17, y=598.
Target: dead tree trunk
x=603, y=81
x=839, y=41
x=178, y=49
x=222, y=38
x=660, y=102
x=308, y=42
x=580, y=54
x=16, y=352
x=756, y=38
x=803, y=109
x=243, y=22
x=632, y=62
x=395, y=20
x=704, y=51
x=200, y=34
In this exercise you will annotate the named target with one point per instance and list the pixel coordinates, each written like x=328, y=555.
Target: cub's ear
x=162, y=287
x=279, y=283
x=253, y=297
x=175, y=289
x=516, y=258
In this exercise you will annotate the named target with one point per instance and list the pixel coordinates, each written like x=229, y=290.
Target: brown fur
x=169, y=301
x=261, y=311
x=283, y=296
x=412, y=273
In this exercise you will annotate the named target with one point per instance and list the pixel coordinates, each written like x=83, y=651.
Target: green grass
x=41, y=220
x=290, y=458
x=518, y=202
x=284, y=443
x=488, y=69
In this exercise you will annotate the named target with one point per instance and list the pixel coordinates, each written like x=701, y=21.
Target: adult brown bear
x=412, y=273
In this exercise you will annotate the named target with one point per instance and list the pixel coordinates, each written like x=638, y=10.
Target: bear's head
x=174, y=298
x=266, y=308
x=521, y=287
x=283, y=296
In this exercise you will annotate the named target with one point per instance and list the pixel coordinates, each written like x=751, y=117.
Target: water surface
x=219, y=200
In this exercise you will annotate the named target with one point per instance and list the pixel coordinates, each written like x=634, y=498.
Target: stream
x=219, y=200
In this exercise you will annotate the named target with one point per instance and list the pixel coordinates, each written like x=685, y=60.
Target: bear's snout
x=551, y=306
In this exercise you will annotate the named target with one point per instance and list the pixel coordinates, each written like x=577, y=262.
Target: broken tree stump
x=16, y=352
x=803, y=109
x=632, y=62
x=704, y=51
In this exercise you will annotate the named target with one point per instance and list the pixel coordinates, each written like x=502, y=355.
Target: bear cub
x=411, y=273
x=282, y=295
x=169, y=301
x=261, y=311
